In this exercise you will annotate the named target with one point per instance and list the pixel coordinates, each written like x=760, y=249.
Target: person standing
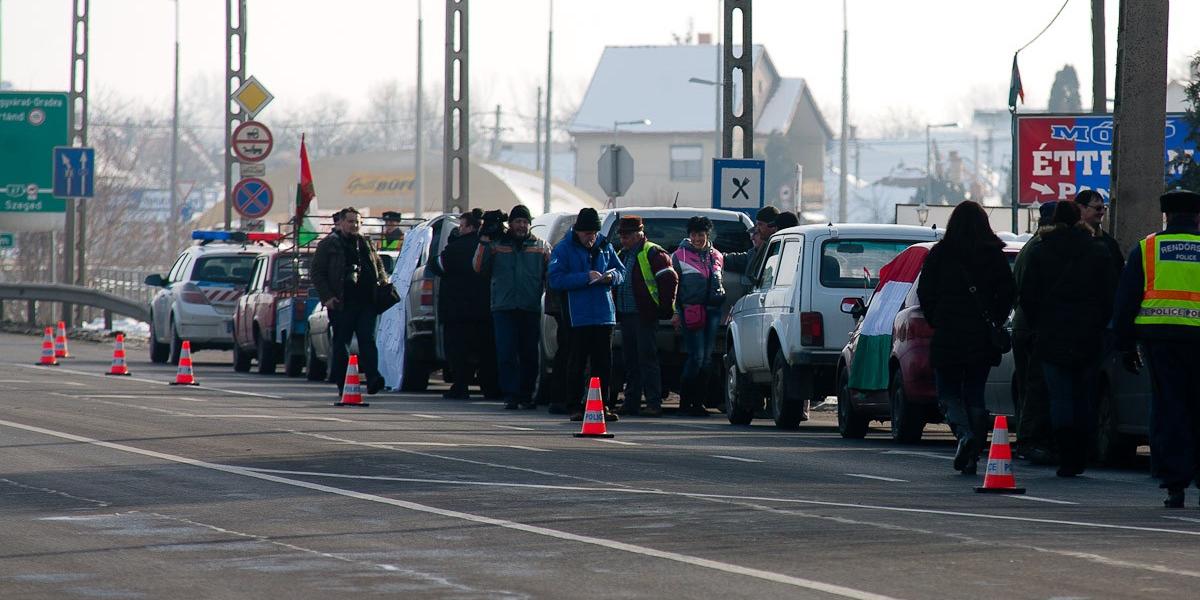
x=585, y=267
x=646, y=295
x=1065, y=293
x=515, y=264
x=1092, y=209
x=392, y=237
x=701, y=294
x=1158, y=305
x=464, y=307
x=346, y=271
x=966, y=288
x=764, y=227
x=1035, y=440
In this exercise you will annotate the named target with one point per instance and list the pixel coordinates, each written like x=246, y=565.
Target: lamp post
x=923, y=213
x=1034, y=209
x=617, y=124
x=716, y=114
x=929, y=157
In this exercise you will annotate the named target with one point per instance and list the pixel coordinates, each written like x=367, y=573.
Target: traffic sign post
x=31, y=125
x=252, y=142
x=252, y=198
x=615, y=171
x=252, y=97
x=738, y=184
x=74, y=172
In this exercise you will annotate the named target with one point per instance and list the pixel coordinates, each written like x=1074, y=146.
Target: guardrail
x=73, y=294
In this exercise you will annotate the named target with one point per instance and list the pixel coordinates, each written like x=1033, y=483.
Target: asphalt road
x=254, y=486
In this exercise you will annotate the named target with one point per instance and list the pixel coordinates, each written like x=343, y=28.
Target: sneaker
x=576, y=416
x=610, y=416
x=1174, y=499
x=650, y=412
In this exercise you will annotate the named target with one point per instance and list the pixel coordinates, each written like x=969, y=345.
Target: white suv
x=199, y=295
x=788, y=331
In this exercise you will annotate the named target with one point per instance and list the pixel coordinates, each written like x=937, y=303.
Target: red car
x=894, y=381
x=270, y=324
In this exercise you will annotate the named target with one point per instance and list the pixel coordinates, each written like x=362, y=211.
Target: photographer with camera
x=514, y=260
x=347, y=273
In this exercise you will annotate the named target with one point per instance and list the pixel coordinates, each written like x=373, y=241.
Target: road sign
x=615, y=170
x=8, y=240
x=252, y=142
x=251, y=170
x=738, y=184
x=252, y=198
x=252, y=97
x=74, y=172
x=31, y=125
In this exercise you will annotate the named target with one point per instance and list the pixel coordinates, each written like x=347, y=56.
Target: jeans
x=960, y=390
x=349, y=322
x=699, y=344
x=640, y=353
x=590, y=350
x=517, y=334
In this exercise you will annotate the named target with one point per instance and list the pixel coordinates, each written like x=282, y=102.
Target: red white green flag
x=305, y=194
x=869, y=368
x=1015, y=89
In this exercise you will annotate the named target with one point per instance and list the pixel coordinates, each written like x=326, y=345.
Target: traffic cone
x=48, y=359
x=351, y=388
x=999, y=478
x=60, y=342
x=118, y=363
x=593, y=413
x=185, y=376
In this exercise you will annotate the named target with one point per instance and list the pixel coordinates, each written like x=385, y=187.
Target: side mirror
x=155, y=280
x=854, y=307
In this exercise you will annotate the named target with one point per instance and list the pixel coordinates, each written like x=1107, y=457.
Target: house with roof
x=644, y=98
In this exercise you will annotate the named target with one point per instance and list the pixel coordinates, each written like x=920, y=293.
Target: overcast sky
x=932, y=58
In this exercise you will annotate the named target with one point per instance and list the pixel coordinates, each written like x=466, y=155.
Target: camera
x=352, y=274
x=493, y=224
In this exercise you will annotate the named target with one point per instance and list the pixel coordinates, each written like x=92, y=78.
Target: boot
x=1072, y=452
x=1174, y=498
x=685, y=396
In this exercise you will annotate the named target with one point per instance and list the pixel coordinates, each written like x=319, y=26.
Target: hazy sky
x=932, y=58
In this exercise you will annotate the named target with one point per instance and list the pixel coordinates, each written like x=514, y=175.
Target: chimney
x=703, y=39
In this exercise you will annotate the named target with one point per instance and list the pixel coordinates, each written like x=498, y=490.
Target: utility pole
x=495, y=152
x=537, y=137
x=547, y=147
x=842, y=204
x=419, y=176
x=1099, y=73
x=235, y=13
x=175, y=207
x=456, y=147
x=745, y=64
x=74, y=255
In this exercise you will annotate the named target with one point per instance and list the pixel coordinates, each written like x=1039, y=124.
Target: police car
x=199, y=294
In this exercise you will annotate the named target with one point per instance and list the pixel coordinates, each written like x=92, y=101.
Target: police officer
x=393, y=236
x=1158, y=304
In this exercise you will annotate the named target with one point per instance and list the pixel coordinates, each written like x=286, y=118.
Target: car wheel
x=416, y=374
x=851, y=425
x=241, y=359
x=266, y=355
x=785, y=410
x=313, y=366
x=738, y=407
x=176, y=345
x=1112, y=446
x=159, y=351
x=908, y=421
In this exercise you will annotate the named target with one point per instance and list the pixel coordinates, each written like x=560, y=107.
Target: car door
x=778, y=305
x=244, y=318
x=751, y=310
x=165, y=297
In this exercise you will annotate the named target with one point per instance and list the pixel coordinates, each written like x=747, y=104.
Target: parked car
x=200, y=292
x=424, y=350
x=270, y=324
x=788, y=331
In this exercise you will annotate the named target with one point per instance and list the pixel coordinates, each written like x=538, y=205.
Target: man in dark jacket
x=1092, y=208
x=585, y=266
x=1035, y=440
x=646, y=295
x=347, y=272
x=764, y=227
x=515, y=264
x=1157, y=305
x=464, y=308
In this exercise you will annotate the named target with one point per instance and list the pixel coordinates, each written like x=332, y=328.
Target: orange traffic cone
x=351, y=388
x=118, y=363
x=48, y=359
x=999, y=478
x=185, y=376
x=60, y=342
x=593, y=413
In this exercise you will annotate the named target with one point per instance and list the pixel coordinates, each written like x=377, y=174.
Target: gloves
x=1132, y=361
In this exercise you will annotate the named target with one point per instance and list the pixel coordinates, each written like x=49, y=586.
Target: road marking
x=279, y=417
x=15, y=381
x=877, y=477
x=71, y=383
x=739, y=459
x=915, y=453
x=454, y=445
x=1188, y=519
x=156, y=382
x=799, y=582
x=515, y=428
x=489, y=403
x=427, y=416
x=1048, y=500
x=608, y=441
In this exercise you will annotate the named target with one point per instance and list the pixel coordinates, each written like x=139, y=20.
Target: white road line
x=454, y=445
x=154, y=381
x=798, y=582
x=515, y=428
x=608, y=441
x=1048, y=500
x=488, y=403
x=915, y=453
x=1188, y=519
x=876, y=477
x=739, y=459
x=15, y=381
x=278, y=417
x=71, y=383
x=427, y=416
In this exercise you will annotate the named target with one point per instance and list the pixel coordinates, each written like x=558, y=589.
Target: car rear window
x=855, y=264
x=728, y=236
x=237, y=269
x=286, y=268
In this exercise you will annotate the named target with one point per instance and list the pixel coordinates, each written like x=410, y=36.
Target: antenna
x=675, y=204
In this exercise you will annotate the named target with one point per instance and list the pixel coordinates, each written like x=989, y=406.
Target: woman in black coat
x=962, y=351
x=1067, y=294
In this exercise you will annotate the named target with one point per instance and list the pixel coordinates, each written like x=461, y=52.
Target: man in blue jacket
x=585, y=266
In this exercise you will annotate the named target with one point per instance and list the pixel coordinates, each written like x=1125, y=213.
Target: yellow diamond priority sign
x=252, y=97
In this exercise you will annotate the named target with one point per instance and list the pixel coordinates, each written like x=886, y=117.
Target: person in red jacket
x=646, y=295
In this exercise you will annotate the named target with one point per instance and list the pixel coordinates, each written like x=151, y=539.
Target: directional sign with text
x=252, y=198
x=74, y=172
x=738, y=184
x=252, y=142
x=31, y=125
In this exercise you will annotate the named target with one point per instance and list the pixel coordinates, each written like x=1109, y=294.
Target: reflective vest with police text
x=1171, y=289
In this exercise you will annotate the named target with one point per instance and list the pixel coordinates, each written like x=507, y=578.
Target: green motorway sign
x=31, y=125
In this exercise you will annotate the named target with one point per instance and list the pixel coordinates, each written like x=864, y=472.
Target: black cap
x=588, y=220
x=391, y=215
x=1179, y=201
x=786, y=219
x=767, y=214
x=519, y=211
x=1046, y=211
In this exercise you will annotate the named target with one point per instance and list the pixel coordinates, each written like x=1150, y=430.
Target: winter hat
x=1046, y=211
x=519, y=211
x=1179, y=201
x=786, y=219
x=588, y=220
x=767, y=214
x=630, y=224
x=695, y=224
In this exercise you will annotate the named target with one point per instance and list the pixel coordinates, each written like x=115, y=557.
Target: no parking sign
x=252, y=198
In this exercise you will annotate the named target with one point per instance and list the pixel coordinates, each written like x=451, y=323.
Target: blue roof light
x=219, y=236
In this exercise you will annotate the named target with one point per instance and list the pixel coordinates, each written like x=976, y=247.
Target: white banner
x=390, y=335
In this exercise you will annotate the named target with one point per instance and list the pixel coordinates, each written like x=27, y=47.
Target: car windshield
x=286, y=267
x=224, y=269
x=855, y=264
x=728, y=236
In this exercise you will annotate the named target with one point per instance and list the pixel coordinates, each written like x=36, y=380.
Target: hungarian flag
x=1014, y=86
x=306, y=227
x=869, y=367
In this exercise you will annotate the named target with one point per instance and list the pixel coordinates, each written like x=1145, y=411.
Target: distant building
x=674, y=152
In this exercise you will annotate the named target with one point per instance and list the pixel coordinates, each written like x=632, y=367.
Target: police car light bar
x=264, y=237
x=237, y=237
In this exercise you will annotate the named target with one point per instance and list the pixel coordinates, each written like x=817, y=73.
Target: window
x=788, y=260
x=176, y=272
x=855, y=264
x=286, y=267
x=686, y=162
x=224, y=269
x=770, y=266
x=260, y=268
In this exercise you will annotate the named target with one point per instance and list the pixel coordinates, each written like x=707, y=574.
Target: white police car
x=199, y=294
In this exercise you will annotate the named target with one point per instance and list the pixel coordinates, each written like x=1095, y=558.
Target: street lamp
x=1034, y=209
x=617, y=124
x=922, y=213
x=716, y=113
x=929, y=157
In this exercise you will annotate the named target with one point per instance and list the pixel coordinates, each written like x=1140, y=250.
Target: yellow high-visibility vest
x=1171, y=286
